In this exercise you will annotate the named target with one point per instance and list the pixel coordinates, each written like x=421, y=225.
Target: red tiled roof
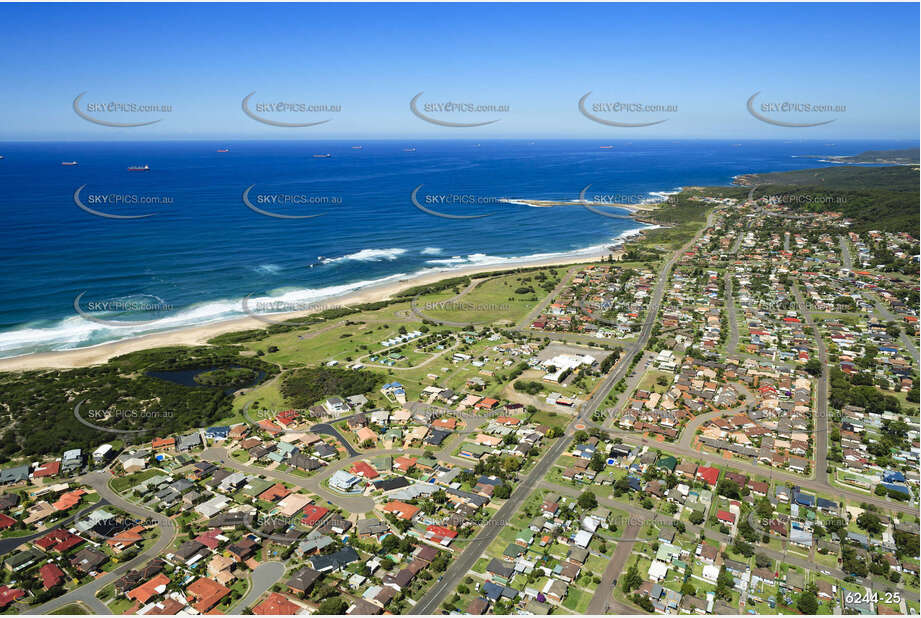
x=148, y=589
x=209, y=538
x=362, y=468
x=51, y=575
x=312, y=514
x=68, y=500
x=276, y=605
x=163, y=442
x=401, y=509
x=269, y=426
x=404, y=463
x=207, y=593
x=710, y=475
x=49, y=469
x=275, y=492
x=59, y=540
x=9, y=595
x=725, y=516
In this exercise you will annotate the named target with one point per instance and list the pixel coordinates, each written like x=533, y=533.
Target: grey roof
x=14, y=475
x=186, y=442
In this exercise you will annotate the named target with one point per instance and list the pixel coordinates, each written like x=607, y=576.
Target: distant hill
x=905, y=156
x=882, y=198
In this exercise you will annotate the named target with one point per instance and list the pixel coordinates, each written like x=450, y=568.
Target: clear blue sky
x=538, y=59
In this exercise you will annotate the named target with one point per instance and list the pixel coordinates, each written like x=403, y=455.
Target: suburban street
x=881, y=309
x=261, y=579
x=820, y=419
x=463, y=562
x=87, y=594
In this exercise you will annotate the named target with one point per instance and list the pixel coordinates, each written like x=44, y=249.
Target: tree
x=762, y=561
x=807, y=603
x=333, y=606
x=741, y=547
x=631, y=579
x=724, y=584
x=587, y=500
x=696, y=518
x=813, y=367
x=598, y=462
x=870, y=522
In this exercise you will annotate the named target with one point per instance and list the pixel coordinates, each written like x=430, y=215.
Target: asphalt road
x=633, y=381
x=262, y=578
x=820, y=427
x=462, y=563
x=623, y=365
x=9, y=544
x=732, y=345
x=329, y=430
x=603, y=598
x=881, y=309
x=468, y=557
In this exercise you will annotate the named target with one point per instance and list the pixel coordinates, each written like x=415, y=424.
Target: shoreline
x=200, y=334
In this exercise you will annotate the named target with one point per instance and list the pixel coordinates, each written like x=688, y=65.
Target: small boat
x=322, y=156
x=68, y=163
x=357, y=147
x=2, y=157
x=410, y=149
x=223, y=149
x=606, y=147
x=139, y=168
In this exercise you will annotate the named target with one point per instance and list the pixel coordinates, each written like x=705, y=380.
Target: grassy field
x=492, y=301
x=266, y=395
x=337, y=340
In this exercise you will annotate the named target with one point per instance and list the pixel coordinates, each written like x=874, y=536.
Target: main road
x=468, y=557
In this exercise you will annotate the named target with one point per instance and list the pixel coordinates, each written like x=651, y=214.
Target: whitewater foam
x=368, y=255
x=76, y=332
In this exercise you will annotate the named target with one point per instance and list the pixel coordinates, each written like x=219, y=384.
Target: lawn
x=577, y=600
x=264, y=396
x=71, y=609
x=492, y=300
x=125, y=482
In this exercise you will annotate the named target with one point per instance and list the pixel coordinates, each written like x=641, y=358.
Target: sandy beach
x=200, y=334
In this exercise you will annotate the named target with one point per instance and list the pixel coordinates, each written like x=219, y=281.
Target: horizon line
x=467, y=139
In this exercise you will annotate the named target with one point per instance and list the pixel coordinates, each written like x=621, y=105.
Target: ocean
x=202, y=249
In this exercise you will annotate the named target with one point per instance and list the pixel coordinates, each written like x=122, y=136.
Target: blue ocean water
x=202, y=252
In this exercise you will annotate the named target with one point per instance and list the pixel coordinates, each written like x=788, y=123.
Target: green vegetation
x=905, y=156
x=878, y=198
x=72, y=609
x=305, y=387
x=683, y=217
x=226, y=376
x=119, y=395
